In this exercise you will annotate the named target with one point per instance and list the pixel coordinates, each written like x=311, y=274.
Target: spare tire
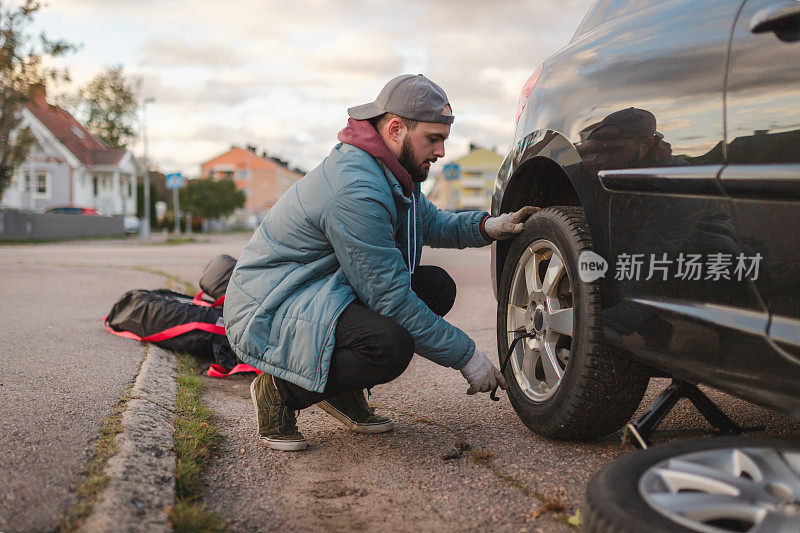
x=721, y=484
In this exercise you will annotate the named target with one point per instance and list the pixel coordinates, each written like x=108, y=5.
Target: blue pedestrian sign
x=174, y=181
x=452, y=172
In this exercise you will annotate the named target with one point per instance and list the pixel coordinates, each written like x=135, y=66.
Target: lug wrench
x=493, y=394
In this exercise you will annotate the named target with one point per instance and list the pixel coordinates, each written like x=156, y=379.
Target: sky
x=280, y=75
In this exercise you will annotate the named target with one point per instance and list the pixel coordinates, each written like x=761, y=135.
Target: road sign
x=174, y=181
x=452, y=172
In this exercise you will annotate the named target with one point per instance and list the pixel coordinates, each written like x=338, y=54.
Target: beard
x=407, y=159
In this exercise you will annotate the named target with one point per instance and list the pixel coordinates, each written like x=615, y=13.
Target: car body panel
x=675, y=195
x=763, y=152
x=564, y=102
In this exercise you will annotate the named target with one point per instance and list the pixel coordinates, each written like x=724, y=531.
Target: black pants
x=370, y=348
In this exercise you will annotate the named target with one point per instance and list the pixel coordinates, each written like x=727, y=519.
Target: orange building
x=262, y=178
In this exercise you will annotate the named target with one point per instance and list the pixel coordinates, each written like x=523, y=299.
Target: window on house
x=95, y=185
x=41, y=185
x=242, y=174
x=36, y=183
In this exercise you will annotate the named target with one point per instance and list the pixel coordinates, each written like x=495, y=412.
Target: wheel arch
x=544, y=169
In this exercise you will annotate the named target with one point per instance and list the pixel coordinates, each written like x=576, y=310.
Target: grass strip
x=197, y=439
x=95, y=478
x=179, y=240
x=188, y=287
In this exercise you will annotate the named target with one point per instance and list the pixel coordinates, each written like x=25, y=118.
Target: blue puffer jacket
x=342, y=232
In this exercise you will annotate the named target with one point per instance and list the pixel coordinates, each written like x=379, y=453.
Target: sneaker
x=352, y=410
x=277, y=424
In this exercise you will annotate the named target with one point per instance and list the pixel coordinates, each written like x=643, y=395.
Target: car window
x=606, y=10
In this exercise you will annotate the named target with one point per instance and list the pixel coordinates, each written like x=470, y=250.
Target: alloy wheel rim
x=540, y=303
x=728, y=489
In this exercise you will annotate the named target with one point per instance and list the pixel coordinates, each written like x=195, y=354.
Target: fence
x=17, y=225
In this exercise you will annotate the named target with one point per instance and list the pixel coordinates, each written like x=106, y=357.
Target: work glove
x=508, y=225
x=481, y=374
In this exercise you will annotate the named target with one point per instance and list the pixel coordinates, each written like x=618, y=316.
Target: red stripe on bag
x=169, y=332
x=216, y=371
x=198, y=300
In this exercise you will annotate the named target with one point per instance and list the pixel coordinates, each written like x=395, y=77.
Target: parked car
x=72, y=210
x=663, y=144
x=665, y=140
x=130, y=222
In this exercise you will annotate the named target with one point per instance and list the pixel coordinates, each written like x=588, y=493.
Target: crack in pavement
x=188, y=286
x=484, y=458
x=135, y=397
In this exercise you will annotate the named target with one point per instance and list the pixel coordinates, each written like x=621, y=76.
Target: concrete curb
x=141, y=485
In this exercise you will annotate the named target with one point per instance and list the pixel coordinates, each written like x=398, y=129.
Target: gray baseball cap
x=627, y=123
x=409, y=96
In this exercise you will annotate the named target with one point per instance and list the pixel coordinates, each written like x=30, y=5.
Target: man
x=328, y=297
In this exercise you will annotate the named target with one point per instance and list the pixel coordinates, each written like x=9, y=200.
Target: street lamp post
x=145, y=228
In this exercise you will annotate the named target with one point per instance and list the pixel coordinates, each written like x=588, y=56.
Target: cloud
x=348, y=55
x=177, y=52
x=282, y=74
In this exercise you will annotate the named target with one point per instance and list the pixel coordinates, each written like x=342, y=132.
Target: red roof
x=86, y=147
x=108, y=156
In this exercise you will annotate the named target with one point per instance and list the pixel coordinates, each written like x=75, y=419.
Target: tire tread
x=610, y=388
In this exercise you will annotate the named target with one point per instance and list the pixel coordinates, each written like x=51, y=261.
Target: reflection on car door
x=763, y=175
x=667, y=206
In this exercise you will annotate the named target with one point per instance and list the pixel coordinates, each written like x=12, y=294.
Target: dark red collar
x=361, y=134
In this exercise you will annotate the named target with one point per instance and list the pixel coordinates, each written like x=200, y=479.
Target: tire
x=596, y=393
x=632, y=495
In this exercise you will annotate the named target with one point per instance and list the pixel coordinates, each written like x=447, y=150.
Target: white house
x=70, y=166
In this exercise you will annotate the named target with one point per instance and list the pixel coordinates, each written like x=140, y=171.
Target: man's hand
x=508, y=225
x=481, y=374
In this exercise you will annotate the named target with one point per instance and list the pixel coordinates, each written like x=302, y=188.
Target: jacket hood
x=361, y=134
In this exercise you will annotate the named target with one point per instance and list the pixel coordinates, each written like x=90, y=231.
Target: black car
x=663, y=144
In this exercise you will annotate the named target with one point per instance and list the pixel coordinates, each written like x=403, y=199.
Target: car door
x=762, y=141
x=670, y=224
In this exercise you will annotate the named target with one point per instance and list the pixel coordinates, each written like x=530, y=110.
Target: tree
x=205, y=198
x=21, y=68
x=107, y=105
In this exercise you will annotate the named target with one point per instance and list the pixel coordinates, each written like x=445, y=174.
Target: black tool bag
x=170, y=320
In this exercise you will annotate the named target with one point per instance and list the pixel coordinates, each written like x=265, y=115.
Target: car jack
x=639, y=432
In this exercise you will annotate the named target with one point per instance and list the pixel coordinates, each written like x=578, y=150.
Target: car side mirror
x=783, y=19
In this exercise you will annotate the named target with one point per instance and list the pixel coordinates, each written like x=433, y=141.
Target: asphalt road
x=61, y=373
x=399, y=481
